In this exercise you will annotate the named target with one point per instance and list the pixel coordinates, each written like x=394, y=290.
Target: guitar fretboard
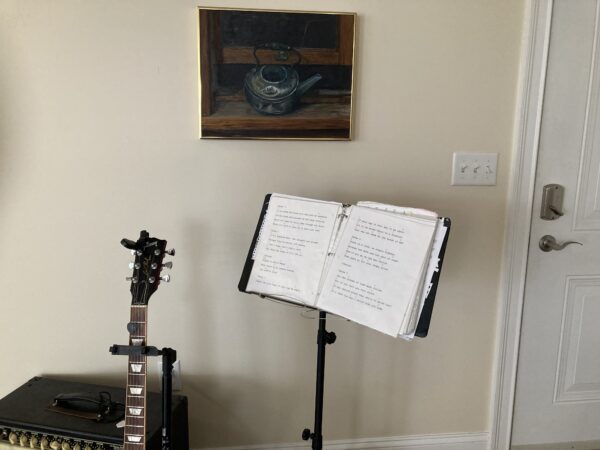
x=135, y=404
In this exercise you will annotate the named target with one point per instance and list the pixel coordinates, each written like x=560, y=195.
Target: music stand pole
x=324, y=337
x=168, y=358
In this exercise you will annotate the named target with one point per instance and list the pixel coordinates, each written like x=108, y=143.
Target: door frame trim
x=528, y=115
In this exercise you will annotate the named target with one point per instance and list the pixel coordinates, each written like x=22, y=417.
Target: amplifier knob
x=44, y=444
x=23, y=441
x=65, y=446
x=13, y=438
x=87, y=447
x=77, y=447
x=33, y=442
x=55, y=445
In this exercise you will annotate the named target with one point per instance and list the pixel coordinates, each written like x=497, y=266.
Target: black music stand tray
x=168, y=358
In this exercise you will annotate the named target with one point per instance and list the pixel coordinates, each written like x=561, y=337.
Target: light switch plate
x=474, y=169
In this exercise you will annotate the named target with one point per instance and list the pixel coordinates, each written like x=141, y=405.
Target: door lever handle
x=548, y=243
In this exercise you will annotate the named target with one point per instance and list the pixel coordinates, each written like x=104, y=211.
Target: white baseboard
x=453, y=441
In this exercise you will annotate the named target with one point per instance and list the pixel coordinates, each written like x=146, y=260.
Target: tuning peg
x=128, y=243
x=168, y=265
x=133, y=252
x=132, y=279
x=165, y=278
x=170, y=252
x=133, y=265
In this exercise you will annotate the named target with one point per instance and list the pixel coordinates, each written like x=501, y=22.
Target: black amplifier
x=26, y=421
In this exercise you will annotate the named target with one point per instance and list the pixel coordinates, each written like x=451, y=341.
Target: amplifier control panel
x=32, y=439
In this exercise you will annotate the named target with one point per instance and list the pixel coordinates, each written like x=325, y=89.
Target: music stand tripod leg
x=324, y=337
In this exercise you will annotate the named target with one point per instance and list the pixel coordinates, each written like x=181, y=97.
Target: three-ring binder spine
x=343, y=215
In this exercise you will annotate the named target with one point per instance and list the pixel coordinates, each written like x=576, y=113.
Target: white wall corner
x=453, y=441
x=528, y=112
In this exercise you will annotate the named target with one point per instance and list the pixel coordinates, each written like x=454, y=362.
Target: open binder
x=375, y=264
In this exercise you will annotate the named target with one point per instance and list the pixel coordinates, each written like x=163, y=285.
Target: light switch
x=474, y=169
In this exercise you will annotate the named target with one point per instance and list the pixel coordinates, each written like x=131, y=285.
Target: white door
x=558, y=375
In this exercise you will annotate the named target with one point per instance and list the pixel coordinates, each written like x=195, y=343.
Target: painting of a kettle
x=275, y=89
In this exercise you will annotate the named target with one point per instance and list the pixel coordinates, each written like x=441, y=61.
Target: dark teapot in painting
x=275, y=89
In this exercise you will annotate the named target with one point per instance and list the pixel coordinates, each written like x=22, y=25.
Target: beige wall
x=98, y=139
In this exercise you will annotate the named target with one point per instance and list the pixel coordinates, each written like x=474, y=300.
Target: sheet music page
x=375, y=272
x=292, y=247
x=408, y=328
x=432, y=267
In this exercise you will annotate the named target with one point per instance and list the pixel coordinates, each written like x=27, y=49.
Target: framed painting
x=268, y=74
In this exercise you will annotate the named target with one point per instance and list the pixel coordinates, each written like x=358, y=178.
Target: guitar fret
x=134, y=420
x=135, y=403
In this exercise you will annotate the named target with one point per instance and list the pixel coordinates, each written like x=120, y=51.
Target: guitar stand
x=324, y=337
x=168, y=358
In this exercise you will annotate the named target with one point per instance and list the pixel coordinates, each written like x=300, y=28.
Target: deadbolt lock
x=552, y=202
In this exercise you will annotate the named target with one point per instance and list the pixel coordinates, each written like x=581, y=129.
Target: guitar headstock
x=149, y=253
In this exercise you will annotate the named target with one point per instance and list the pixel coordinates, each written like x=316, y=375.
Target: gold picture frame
x=275, y=74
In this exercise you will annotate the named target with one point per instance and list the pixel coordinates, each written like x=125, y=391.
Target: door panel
x=558, y=375
x=578, y=363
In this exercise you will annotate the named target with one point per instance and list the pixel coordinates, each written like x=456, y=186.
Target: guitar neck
x=135, y=404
